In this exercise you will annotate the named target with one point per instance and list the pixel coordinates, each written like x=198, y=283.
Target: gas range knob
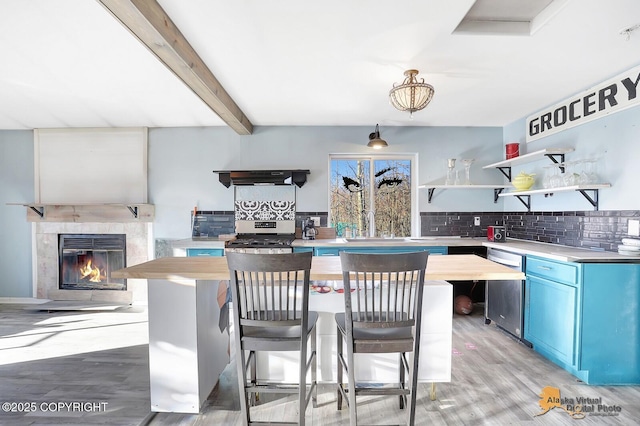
x=271, y=251
x=256, y=251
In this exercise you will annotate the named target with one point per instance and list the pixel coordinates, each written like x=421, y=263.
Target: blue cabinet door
x=205, y=252
x=302, y=249
x=551, y=319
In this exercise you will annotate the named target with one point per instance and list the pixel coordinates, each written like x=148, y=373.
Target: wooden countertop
x=460, y=267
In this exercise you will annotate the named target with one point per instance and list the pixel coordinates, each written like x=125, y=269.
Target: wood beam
x=146, y=20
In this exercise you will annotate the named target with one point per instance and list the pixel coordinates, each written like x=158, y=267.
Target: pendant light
x=374, y=140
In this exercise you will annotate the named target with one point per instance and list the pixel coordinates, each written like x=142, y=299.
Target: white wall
x=181, y=161
x=614, y=138
x=16, y=186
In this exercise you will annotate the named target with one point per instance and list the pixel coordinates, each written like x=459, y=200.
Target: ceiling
x=71, y=63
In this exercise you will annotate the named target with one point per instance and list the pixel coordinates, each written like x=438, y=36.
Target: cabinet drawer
x=555, y=271
x=205, y=252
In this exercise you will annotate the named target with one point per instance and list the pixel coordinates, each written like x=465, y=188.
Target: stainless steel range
x=264, y=219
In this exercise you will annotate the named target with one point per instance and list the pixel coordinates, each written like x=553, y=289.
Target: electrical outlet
x=634, y=227
x=316, y=220
x=476, y=221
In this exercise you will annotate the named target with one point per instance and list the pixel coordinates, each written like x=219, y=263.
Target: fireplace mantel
x=89, y=212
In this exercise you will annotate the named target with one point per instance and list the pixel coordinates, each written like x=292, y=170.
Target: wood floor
x=101, y=357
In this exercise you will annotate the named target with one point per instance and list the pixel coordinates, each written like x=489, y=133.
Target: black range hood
x=262, y=177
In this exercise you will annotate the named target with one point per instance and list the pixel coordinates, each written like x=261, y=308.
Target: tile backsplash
x=587, y=229
x=212, y=223
x=599, y=229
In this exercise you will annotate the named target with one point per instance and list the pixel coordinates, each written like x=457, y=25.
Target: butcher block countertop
x=449, y=268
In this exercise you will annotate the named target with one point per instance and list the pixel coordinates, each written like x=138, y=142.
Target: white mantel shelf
x=497, y=189
x=88, y=212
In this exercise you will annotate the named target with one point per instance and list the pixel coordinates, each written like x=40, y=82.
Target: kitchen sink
x=374, y=240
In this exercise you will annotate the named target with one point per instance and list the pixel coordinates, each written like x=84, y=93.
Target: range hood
x=262, y=177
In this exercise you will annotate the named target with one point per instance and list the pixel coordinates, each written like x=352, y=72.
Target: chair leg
x=314, y=368
x=302, y=381
x=254, y=397
x=339, y=364
x=414, y=387
x=403, y=384
x=351, y=373
x=242, y=383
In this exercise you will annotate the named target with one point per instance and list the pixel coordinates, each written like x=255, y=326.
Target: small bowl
x=523, y=181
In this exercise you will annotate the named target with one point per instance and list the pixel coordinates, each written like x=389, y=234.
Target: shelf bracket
x=592, y=200
x=430, y=194
x=134, y=211
x=527, y=203
x=39, y=211
x=496, y=192
x=506, y=171
x=558, y=160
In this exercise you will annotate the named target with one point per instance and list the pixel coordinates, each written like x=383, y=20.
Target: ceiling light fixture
x=411, y=95
x=374, y=140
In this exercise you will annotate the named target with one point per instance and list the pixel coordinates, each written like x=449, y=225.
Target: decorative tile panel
x=265, y=210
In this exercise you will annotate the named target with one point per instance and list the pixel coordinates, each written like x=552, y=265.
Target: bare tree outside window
x=359, y=186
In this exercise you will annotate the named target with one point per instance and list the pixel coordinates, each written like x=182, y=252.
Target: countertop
x=562, y=253
x=209, y=242
x=394, y=242
x=449, y=268
x=547, y=250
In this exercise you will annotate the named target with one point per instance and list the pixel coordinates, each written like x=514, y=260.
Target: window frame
x=412, y=157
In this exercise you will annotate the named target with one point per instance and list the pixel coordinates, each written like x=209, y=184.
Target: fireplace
x=86, y=261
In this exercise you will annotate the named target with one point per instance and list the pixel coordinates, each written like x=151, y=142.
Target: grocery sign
x=608, y=97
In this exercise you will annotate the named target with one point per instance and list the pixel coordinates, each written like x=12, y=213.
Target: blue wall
x=614, y=140
x=16, y=186
x=181, y=161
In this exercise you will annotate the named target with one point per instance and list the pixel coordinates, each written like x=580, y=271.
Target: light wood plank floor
x=102, y=357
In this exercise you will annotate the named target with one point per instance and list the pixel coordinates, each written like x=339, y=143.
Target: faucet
x=371, y=217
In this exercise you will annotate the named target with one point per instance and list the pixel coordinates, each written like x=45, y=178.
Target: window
x=366, y=187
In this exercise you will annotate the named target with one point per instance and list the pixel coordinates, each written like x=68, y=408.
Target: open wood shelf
x=554, y=154
x=497, y=189
x=583, y=189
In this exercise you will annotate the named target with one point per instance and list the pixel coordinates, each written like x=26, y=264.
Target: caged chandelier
x=411, y=95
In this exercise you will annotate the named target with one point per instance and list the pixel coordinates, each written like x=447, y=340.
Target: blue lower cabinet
x=584, y=317
x=302, y=249
x=550, y=319
x=335, y=251
x=610, y=324
x=205, y=252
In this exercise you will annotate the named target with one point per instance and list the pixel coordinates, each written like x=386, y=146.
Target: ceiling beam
x=152, y=26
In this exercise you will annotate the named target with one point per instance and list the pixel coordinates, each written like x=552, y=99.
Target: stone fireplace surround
x=46, y=260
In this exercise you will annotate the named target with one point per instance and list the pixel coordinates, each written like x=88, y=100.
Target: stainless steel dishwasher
x=504, y=300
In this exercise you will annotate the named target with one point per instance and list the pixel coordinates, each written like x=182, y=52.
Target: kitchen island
x=189, y=346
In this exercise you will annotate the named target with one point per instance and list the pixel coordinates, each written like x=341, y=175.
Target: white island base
x=187, y=350
x=435, y=344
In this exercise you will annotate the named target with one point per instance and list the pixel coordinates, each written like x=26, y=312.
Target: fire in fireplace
x=86, y=261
